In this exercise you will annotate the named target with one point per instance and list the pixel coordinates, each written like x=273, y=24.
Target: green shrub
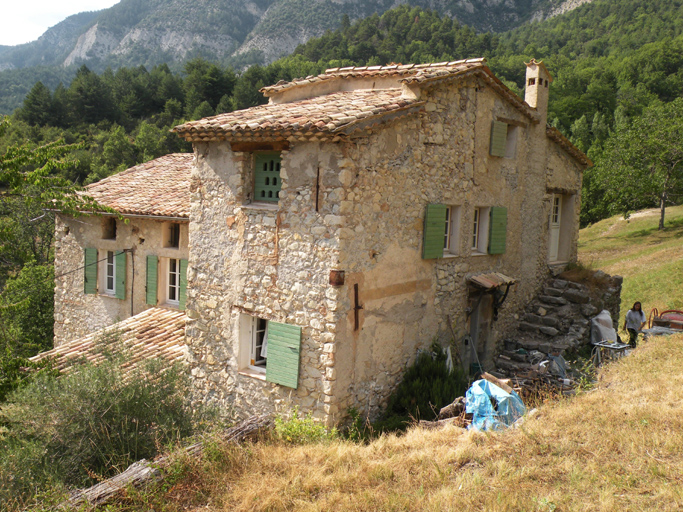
x=90, y=423
x=297, y=430
x=427, y=386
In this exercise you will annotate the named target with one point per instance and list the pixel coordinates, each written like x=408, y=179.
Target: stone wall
x=359, y=206
x=268, y=261
x=558, y=319
x=78, y=314
x=440, y=156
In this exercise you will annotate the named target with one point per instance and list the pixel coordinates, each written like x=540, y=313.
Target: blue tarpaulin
x=492, y=408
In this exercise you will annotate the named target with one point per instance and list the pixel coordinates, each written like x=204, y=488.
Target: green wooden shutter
x=267, y=180
x=434, y=231
x=182, y=295
x=152, y=278
x=284, y=346
x=120, y=262
x=90, y=271
x=499, y=133
x=498, y=230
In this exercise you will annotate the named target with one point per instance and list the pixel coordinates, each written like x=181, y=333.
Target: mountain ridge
x=149, y=32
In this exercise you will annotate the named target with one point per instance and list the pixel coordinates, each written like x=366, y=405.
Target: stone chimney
x=537, y=86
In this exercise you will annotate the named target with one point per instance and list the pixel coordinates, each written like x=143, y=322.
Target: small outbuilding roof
x=159, y=188
x=154, y=333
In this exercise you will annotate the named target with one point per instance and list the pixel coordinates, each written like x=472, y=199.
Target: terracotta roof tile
x=402, y=72
x=326, y=114
x=160, y=187
x=154, y=333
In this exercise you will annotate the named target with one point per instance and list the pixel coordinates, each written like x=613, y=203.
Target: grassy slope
x=614, y=448
x=650, y=260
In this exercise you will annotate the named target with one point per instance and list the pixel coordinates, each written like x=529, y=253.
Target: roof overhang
x=491, y=281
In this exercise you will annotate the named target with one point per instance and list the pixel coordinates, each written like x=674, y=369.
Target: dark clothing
x=634, y=337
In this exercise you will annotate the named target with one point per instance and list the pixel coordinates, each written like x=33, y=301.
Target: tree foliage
x=642, y=163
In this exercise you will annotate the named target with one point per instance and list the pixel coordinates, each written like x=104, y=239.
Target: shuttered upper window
x=267, y=181
x=503, y=139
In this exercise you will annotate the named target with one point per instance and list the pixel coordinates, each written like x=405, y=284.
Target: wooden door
x=555, y=221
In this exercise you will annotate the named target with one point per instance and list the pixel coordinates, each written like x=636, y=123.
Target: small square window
x=109, y=228
x=172, y=235
x=267, y=181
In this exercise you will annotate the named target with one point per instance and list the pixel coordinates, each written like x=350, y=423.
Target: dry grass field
x=616, y=447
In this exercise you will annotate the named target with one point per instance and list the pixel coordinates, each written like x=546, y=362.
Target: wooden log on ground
x=143, y=472
x=504, y=385
x=458, y=421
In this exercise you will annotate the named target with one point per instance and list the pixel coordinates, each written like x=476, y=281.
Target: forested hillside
x=230, y=32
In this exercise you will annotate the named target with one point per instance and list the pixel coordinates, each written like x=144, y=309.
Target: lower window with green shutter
x=152, y=280
x=283, y=347
x=434, y=231
x=90, y=271
x=498, y=225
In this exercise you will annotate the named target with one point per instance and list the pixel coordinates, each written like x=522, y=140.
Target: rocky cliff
x=148, y=32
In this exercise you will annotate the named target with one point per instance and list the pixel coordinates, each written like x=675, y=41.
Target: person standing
x=635, y=321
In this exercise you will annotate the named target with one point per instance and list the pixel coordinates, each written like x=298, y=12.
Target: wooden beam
x=250, y=147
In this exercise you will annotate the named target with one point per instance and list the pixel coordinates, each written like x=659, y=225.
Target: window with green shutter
x=120, y=262
x=283, y=351
x=267, y=182
x=152, y=280
x=499, y=133
x=90, y=271
x=498, y=230
x=182, y=298
x=434, y=231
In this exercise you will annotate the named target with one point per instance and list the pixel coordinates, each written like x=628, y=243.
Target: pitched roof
x=340, y=113
x=154, y=333
x=160, y=187
x=407, y=73
x=329, y=114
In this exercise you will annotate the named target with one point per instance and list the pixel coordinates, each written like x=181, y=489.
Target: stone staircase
x=558, y=319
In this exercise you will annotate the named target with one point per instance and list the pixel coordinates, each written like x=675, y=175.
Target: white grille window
x=451, y=231
x=173, y=281
x=475, y=228
x=110, y=274
x=259, y=343
x=480, y=230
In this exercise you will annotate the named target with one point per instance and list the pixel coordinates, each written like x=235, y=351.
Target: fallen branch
x=143, y=472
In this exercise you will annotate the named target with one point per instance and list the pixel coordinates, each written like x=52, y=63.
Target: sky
x=26, y=20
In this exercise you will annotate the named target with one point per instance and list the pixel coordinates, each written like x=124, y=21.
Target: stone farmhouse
x=315, y=243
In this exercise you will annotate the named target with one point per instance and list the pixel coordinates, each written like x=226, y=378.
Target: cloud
x=27, y=20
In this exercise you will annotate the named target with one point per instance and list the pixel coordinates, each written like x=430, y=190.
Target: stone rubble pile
x=555, y=322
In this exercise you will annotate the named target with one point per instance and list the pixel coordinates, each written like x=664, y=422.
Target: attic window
x=546, y=83
x=109, y=228
x=532, y=81
x=503, y=139
x=267, y=182
x=172, y=235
